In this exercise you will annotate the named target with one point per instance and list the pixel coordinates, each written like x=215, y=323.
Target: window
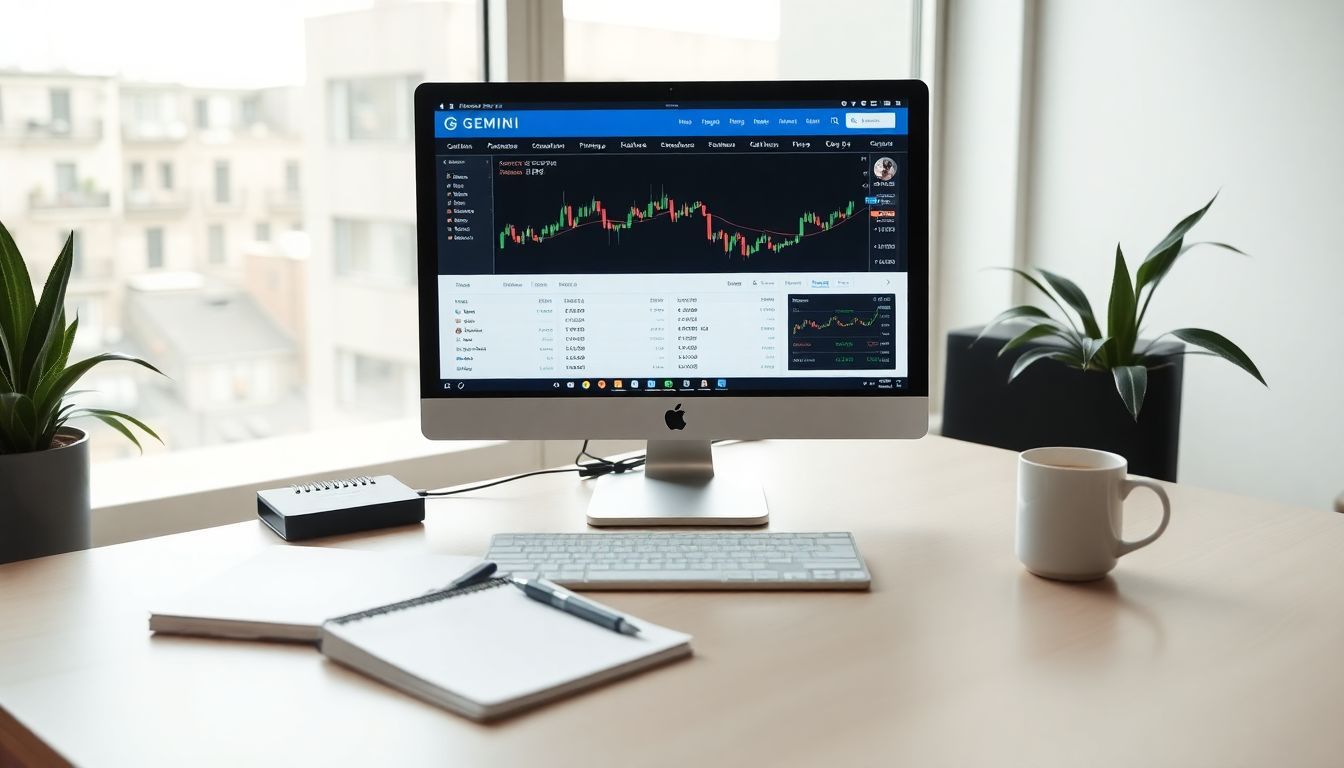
x=292, y=176
x=738, y=40
x=223, y=191
x=262, y=232
x=382, y=251
x=250, y=110
x=67, y=181
x=221, y=137
x=371, y=384
x=215, y=246
x=60, y=110
x=371, y=109
x=154, y=247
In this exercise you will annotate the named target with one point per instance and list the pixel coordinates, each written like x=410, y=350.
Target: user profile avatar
x=884, y=169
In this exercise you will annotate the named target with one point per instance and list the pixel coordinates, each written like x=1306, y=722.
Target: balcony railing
x=235, y=201
x=75, y=199
x=145, y=201
x=283, y=200
x=92, y=273
x=37, y=131
x=154, y=131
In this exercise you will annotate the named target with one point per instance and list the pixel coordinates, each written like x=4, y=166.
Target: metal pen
x=556, y=596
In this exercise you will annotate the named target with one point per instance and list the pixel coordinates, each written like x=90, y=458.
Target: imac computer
x=675, y=262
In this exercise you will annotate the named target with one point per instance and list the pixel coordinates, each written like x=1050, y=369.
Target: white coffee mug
x=1070, y=505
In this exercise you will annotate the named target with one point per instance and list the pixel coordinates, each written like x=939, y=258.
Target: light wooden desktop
x=1222, y=644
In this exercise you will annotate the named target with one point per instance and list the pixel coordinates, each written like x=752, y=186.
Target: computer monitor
x=677, y=262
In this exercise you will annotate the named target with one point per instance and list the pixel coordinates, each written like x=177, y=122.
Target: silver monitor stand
x=677, y=487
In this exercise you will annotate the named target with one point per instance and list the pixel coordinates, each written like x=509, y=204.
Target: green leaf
x=122, y=428
x=120, y=415
x=46, y=330
x=1033, y=356
x=16, y=302
x=1015, y=313
x=1032, y=334
x=1037, y=285
x=1120, y=322
x=1090, y=349
x=1160, y=260
x=19, y=419
x=58, y=362
x=1071, y=293
x=1131, y=381
x=67, y=341
x=49, y=393
x=1178, y=232
x=1220, y=346
x=1215, y=244
x=1157, y=265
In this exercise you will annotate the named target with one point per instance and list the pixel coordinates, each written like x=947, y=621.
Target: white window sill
x=174, y=492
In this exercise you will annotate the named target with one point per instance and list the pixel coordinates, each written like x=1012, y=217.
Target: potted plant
x=44, y=462
x=1062, y=380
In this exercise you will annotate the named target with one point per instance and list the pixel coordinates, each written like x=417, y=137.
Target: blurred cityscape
x=258, y=245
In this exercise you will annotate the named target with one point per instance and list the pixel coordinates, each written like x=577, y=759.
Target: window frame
x=141, y=497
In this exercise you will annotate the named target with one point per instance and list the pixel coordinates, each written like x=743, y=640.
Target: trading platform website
x=648, y=248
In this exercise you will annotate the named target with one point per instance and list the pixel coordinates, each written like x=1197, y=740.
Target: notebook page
x=287, y=584
x=497, y=645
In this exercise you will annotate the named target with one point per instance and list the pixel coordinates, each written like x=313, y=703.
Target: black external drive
x=332, y=507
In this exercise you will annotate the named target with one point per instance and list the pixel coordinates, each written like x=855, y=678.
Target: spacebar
x=655, y=576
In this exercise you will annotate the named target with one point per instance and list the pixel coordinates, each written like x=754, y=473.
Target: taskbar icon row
x=644, y=385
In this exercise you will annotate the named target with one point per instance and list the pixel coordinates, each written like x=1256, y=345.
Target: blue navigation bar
x=594, y=123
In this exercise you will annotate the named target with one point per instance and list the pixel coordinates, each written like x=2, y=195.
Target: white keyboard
x=683, y=560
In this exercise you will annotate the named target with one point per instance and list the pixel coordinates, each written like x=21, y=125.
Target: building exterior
x=151, y=178
x=360, y=200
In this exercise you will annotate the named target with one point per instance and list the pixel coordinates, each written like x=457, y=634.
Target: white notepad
x=287, y=591
x=487, y=650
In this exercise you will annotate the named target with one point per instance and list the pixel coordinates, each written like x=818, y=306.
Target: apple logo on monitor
x=675, y=418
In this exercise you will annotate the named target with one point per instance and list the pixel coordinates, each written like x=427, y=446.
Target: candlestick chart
x=684, y=213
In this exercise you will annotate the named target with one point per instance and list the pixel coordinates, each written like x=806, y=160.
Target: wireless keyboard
x=682, y=560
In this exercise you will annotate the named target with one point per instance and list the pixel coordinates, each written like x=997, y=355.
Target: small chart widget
x=841, y=331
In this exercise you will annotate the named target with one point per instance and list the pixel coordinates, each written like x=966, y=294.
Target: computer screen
x=696, y=247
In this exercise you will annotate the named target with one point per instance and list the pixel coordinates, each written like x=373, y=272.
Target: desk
x=1222, y=644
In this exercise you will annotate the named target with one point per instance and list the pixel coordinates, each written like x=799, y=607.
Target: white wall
x=1142, y=110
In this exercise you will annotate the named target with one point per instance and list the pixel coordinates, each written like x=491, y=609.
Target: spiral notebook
x=285, y=592
x=486, y=650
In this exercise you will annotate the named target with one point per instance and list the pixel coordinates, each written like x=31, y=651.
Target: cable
x=596, y=468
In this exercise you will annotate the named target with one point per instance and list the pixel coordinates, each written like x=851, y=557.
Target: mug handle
x=1130, y=483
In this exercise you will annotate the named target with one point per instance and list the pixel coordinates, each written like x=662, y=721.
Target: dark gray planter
x=44, y=499
x=1052, y=404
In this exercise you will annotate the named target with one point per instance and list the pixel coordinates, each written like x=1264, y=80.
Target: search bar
x=870, y=119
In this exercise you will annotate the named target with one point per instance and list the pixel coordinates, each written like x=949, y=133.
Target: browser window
x=709, y=248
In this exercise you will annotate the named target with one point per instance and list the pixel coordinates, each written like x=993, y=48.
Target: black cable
x=596, y=468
